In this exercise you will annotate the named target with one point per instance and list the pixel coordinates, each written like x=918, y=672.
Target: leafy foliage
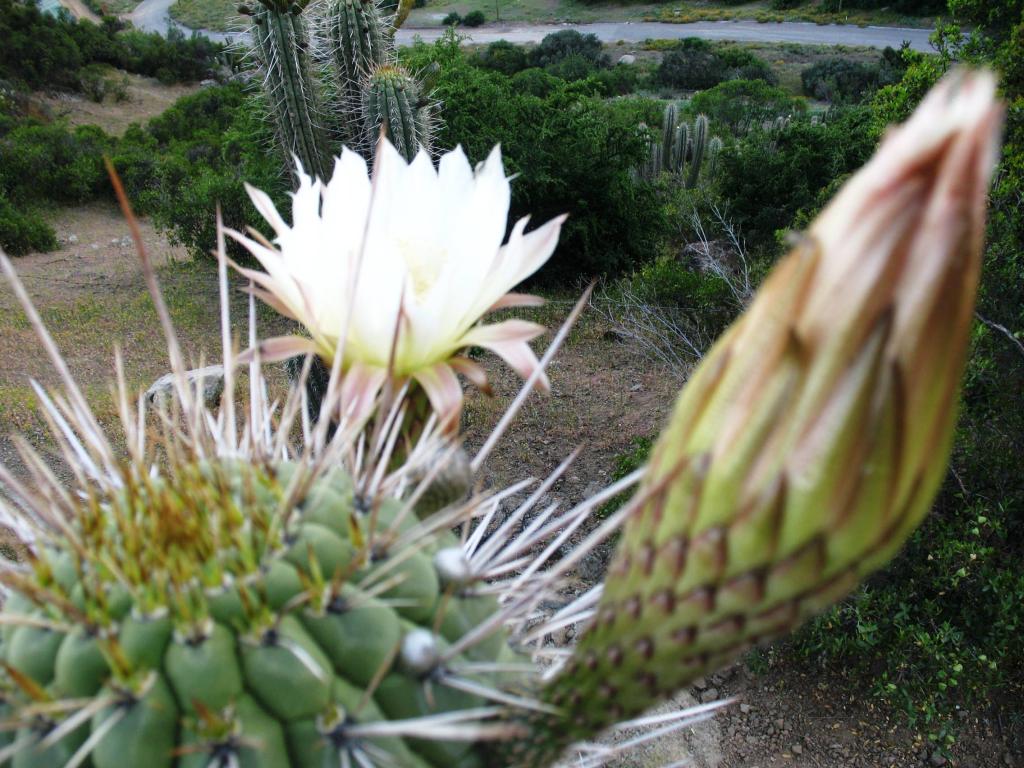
x=695, y=64
x=840, y=80
x=572, y=152
x=561, y=45
x=44, y=51
x=740, y=105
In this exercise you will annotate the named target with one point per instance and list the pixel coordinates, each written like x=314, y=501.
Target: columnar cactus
x=681, y=151
x=392, y=102
x=321, y=64
x=293, y=95
x=250, y=591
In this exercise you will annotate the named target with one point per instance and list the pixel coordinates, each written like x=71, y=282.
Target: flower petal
x=473, y=371
x=509, y=340
x=359, y=389
x=516, y=300
x=444, y=392
x=278, y=348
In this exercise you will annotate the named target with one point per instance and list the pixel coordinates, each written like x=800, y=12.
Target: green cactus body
x=700, y=145
x=358, y=44
x=668, y=135
x=391, y=101
x=282, y=45
x=306, y=654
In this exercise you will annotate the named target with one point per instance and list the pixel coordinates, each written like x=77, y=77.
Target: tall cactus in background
x=700, y=144
x=323, y=64
x=294, y=96
x=681, y=151
x=391, y=99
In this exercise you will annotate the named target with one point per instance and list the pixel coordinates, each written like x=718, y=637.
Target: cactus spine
x=391, y=102
x=323, y=65
x=293, y=95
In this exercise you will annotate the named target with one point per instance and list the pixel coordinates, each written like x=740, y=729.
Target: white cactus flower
x=394, y=272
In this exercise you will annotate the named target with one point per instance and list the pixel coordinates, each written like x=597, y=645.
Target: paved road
x=743, y=31
x=152, y=15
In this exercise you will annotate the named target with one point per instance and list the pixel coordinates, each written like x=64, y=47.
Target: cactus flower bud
x=813, y=437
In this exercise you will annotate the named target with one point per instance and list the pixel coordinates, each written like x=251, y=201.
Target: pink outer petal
x=473, y=371
x=359, y=389
x=516, y=300
x=444, y=392
x=509, y=340
x=279, y=348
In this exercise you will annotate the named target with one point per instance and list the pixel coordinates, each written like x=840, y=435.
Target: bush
x=44, y=51
x=693, y=64
x=572, y=153
x=502, y=56
x=535, y=82
x=23, y=232
x=474, y=19
x=559, y=46
x=740, y=105
x=51, y=163
x=771, y=176
x=839, y=80
x=452, y=19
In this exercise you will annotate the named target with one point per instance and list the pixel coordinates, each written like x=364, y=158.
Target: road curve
x=153, y=16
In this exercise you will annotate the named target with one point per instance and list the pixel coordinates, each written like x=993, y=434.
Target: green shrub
x=694, y=64
x=535, y=82
x=669, y=283
x=840, y=80
x=625, y=464
x=740, y=105
x=502, y=56
x=572, y=153
x=22, y=231
x=474, y=19
x=52, y=163
x=785, y=5
x=44, y=51
x=771, y=176
x=452, y=19
x=560, y=45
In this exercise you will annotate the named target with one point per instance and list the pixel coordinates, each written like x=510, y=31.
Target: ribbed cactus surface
x=294, y=96
x=391, y=101
x=210, y=629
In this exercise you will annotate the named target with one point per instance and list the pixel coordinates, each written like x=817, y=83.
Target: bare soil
x=146, y=98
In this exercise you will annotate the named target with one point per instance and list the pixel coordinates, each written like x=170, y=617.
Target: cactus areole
x=241, y=588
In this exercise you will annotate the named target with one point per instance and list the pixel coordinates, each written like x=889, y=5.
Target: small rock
x=796, y=749
x=212, y=378
x=115, y=241
x=745, y=708
x=126, y=242
x=700, y=683
x=207, y=83
x=636, y=387
x=95, y=246
x=937, y=759
x=627, y=59
x=711, y=694
x=73, y=239
x=613, y=334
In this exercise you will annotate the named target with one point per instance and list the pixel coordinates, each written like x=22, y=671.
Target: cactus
x=681, y=151
x=357, y=38
x=700, y=144
x=293, y=95
x=391, y=102
x=259, y=594
x=322, y=69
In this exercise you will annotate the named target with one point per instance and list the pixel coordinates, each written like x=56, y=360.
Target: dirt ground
x=147, y=98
